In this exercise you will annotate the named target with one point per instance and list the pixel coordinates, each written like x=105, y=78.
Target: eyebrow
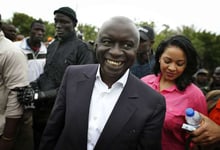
x=166, y=57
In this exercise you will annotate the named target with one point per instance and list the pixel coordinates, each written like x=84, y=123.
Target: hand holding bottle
x=207, y=133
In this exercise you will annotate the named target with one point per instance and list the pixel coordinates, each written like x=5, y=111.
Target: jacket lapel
x=121, y=113
x=82, y=96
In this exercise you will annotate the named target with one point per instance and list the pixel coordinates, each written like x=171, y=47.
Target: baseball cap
x=202, y=71
x=146, y=33
x=217, y=71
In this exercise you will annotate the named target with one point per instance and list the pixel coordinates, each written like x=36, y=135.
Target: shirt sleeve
x=15, y=75
x=15, y=70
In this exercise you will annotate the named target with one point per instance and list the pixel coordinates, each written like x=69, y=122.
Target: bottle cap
x=189, y=112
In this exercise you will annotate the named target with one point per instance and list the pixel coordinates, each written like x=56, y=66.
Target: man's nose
x=116, y=50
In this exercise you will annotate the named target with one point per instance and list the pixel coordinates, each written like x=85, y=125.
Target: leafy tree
x=89, y=32
x=50, y=30
x=164, y=34
x=22, y=22
x=211, y=54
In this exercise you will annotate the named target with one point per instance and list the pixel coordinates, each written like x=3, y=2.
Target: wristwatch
x=36, y=96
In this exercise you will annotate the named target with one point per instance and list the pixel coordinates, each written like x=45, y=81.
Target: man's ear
x=95, y=46
x=74, y=23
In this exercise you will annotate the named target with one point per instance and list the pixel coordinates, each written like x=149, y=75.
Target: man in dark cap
x=68, y=12
x=145, y=57
x=202, y=80
x=65, y=50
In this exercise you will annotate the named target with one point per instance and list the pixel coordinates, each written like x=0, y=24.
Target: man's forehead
x=118, y=26
x=37, y=26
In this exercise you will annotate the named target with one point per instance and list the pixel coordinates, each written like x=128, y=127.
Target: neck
x=35, y=46
x=165, y=84
x=31, y=43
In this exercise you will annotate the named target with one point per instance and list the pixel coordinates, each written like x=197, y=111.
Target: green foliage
x=144, y=23
x=50, y=30
x=89, y=32
x=22, y=22
x=162, y=35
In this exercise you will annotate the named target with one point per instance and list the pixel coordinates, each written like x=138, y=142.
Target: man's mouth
x=115, y=63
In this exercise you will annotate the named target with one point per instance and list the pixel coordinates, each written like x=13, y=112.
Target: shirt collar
x=156, y=83
x=121, y=81
x=24, y=45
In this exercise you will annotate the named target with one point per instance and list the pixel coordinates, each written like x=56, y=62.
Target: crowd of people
x=119, y=93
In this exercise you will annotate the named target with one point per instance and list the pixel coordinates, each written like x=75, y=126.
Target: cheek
x=100, y=55
x=163, y=66
x=131, y=57
x=68, y=28
x=180, y=70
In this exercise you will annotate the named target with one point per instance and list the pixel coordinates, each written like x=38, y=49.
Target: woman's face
x=172, y=63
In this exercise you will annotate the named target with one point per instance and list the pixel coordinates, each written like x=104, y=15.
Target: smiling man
x=103, y=106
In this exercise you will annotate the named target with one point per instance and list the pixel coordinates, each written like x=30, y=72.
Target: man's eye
x=127, y=46
x=106, y=42
x=61, y=22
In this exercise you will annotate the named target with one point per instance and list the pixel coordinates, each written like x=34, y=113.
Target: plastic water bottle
x=193, y=117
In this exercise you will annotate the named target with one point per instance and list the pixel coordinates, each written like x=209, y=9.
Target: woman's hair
x=192, y=59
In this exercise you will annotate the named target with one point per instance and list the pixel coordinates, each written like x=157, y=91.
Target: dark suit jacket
x=134, y=124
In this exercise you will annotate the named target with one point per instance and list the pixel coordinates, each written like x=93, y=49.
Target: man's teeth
x=114, y=62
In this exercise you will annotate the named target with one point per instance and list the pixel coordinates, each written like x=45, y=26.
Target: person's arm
x=152, y=132
x=207, y=133
x=85, y=55
x=30, y=95
x=8, y=137
x=14, y=75
x=13, y=114
x=56, y=120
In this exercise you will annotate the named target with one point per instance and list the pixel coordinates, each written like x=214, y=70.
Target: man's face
x=216, y=77
x=37, y=32
x=116, y=48
x=63, y=25
x=144, y=49
x=202, y=78
x=10, y=32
